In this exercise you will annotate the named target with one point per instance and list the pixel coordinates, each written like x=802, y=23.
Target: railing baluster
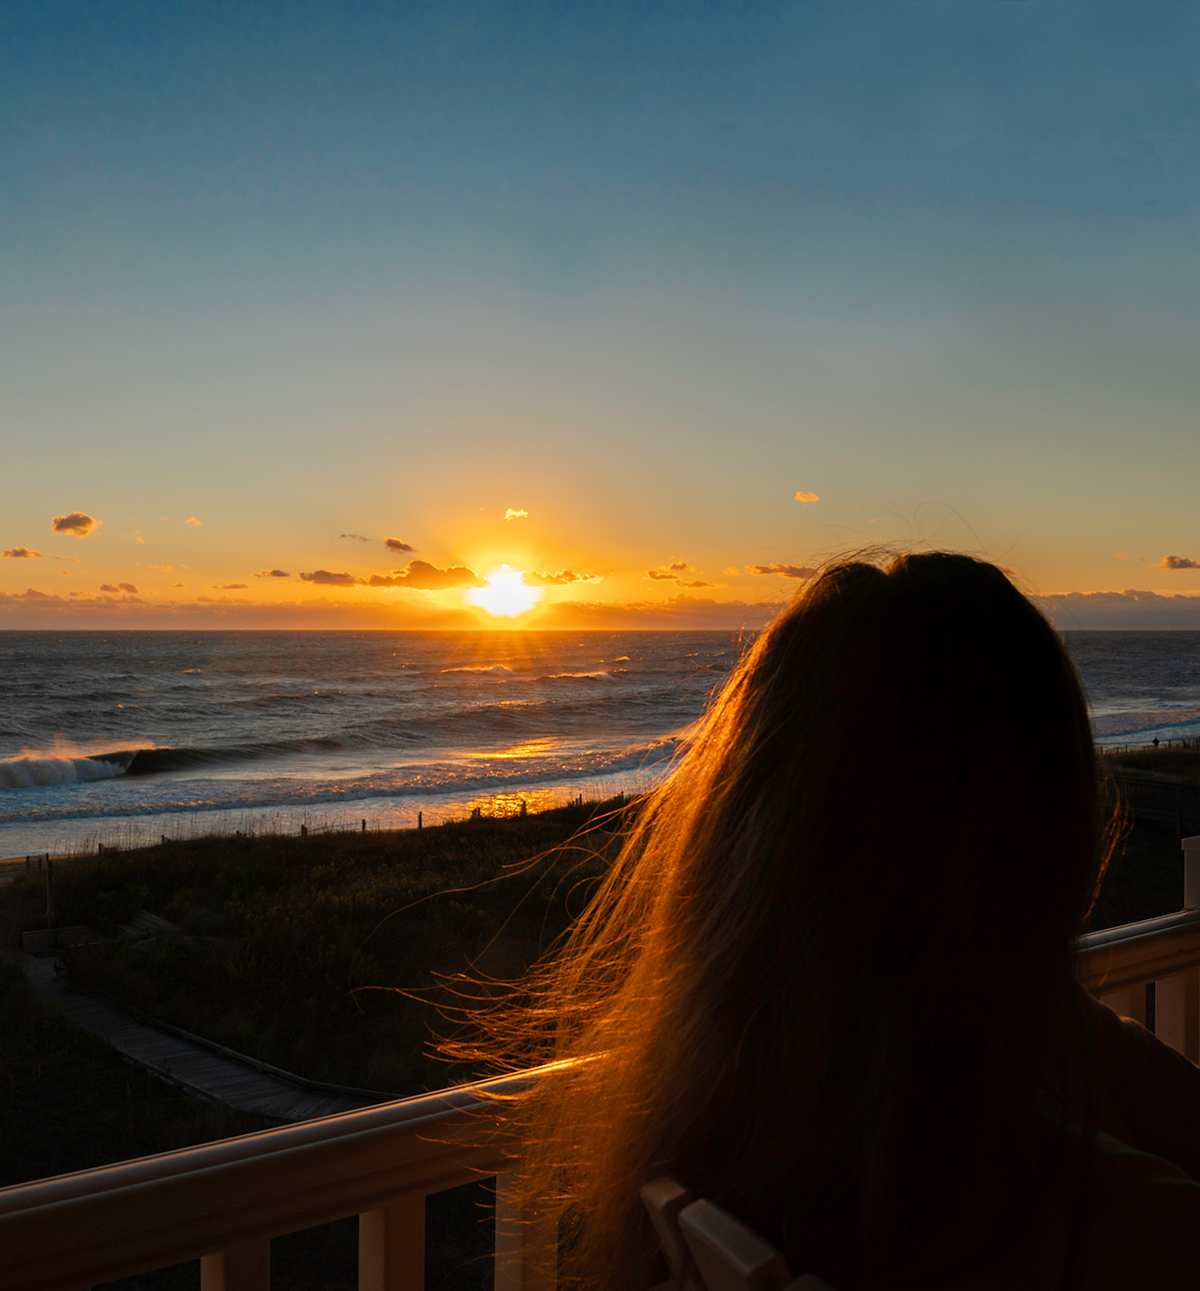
x=1177, y=1012
x=244, y=1267
x=526, y=1251
x=391, y=1246
x=1128, y=1003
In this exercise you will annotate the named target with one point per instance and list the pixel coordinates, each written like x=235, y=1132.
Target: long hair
x=829, y=975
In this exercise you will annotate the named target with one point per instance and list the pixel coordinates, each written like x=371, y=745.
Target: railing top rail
x=1140, y=952
x=1129, y=932
x=154, y=1211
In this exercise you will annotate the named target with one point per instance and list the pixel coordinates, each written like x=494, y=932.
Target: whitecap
x=25, y=773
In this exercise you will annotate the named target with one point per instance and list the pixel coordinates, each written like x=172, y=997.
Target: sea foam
x=25, y=773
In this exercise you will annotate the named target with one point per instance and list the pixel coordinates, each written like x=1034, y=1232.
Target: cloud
x=38, y=610
x=178, y=584
x=425, y=577
x=271, y=573
x=1109, y=611
x=533, y=579
x=678, y=565
x=163, y=569
x=232, y=587
x=22, y=553
x=327, y=579
x=510, y=514
x=119, y=587
x=419, y=575
x=731, y=572
x=1122, y=555
x=659, y=576
x=357, y=537
x=77, y=522
x=394, y=544
x=806, y=497
x=697, y=583
x=193, y=521
x=785, y=571
x=1176, y=562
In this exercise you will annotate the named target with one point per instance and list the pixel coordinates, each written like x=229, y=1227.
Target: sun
x=505, y=595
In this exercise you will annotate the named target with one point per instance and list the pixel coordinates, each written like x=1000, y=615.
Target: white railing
x=1117, y=965
x=221, y=1203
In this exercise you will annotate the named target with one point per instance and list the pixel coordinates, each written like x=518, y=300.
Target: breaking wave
x=26, y=773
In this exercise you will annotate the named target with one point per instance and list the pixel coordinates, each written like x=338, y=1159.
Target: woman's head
x=832, y=962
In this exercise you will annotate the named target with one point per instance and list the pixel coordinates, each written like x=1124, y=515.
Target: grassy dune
x=1183, y=764
x=327, y=955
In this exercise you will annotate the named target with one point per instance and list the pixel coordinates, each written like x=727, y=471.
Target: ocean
x=122, y=737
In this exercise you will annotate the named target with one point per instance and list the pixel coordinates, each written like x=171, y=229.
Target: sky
x=570, y=315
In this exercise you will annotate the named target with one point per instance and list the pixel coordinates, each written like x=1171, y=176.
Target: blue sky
x=644, y=271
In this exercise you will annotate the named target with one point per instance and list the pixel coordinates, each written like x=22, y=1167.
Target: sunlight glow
x=505, y=596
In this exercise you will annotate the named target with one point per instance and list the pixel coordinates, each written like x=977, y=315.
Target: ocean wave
x=175, y=797
x=28, y=773
x=577, y=676
x=496, y=670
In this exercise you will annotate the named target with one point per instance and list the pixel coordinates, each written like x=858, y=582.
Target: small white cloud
x=510, y=514
x=806, y=497
x=194, y=522
x=784, y=571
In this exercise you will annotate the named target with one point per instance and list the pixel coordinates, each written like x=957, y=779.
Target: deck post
x=1191, y=872
x=391, y=1246
x=244, y=1267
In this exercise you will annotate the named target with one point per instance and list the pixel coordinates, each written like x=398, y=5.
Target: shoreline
x=81, y=837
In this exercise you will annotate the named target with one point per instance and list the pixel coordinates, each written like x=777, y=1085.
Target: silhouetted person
x=828, y=983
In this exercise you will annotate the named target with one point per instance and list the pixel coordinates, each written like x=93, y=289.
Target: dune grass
x=1181, y=763
x=327, y=955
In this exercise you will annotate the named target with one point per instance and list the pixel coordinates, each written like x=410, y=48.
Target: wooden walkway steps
x=192, y=1067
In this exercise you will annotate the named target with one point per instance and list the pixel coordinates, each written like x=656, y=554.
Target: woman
x=828, y=982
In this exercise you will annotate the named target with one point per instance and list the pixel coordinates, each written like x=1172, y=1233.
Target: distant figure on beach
x=828, y=983
x=1154, y=741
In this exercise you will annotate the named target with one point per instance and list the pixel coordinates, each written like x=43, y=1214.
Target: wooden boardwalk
x=189, y=1066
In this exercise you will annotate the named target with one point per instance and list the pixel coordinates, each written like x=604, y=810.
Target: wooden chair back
x=707, y=1249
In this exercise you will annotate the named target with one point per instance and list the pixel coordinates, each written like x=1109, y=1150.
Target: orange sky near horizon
x=508, y=575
